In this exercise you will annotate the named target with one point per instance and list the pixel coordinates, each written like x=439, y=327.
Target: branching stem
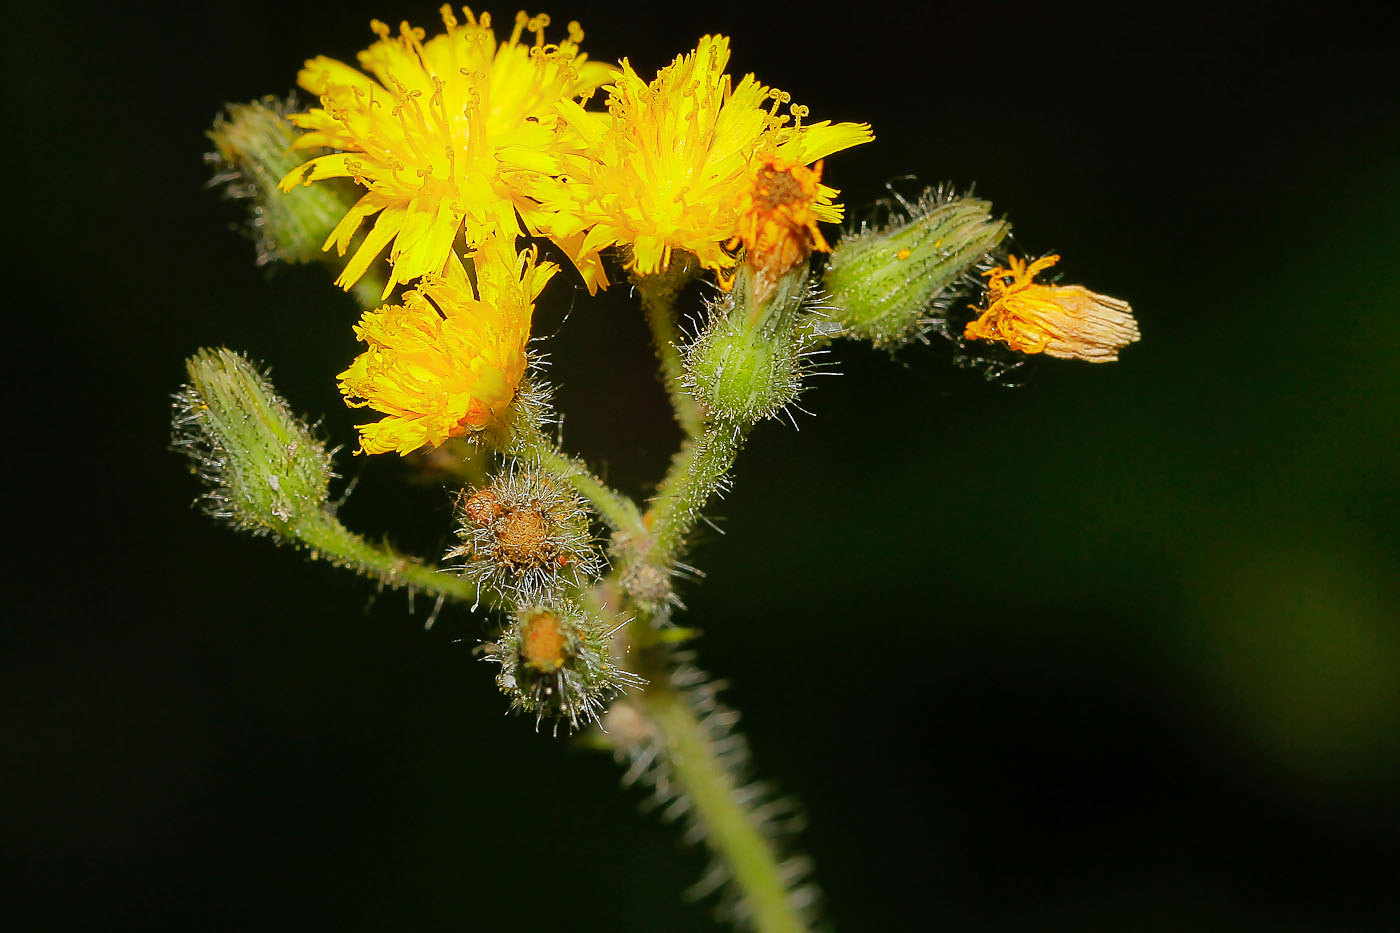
x=620, y=512
x=334, y=542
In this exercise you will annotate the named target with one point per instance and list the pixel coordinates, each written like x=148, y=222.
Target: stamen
x=798, y=111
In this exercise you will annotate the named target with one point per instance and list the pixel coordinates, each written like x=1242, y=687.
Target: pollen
x=1064, y=321
x=543, y=644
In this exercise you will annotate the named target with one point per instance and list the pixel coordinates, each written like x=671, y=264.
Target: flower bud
x=525, y=536
x=558, y=663
x=265, y=471
x=747, y=363
x=253, y=151
x=890, y=285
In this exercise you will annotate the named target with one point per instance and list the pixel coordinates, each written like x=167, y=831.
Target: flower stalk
x=329, y=540
x=753, y=865
x=659, y=292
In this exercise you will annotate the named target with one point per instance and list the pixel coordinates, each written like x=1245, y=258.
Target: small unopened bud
x=557, y=663
x=264, y=470
x=747, y=364
x=650, y=587
x=526, y=536
x=252, y=144
x=893, y=284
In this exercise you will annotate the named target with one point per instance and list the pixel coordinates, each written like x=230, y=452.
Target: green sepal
x=253, y=151
x=747, y=363
x=264, y=470
x=891, y=285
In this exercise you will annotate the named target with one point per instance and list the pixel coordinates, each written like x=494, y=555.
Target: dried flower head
x=447, y=362
x=1065, y=321
x=445, y=137
x=557, y=662
x=778, y=220
x=526, y=536
x=669, y=164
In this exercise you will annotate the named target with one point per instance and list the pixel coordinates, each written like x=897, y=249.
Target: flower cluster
x=462, y=142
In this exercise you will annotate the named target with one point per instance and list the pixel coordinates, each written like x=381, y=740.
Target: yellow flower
x=1066, y=321
x=446, y=135
x=778, y=220
x=447, y=362
x=669, y=164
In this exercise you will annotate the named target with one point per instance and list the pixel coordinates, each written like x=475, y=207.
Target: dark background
x=1119, y=649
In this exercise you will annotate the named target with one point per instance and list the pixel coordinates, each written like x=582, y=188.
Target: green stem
x=617, y=510
x=659, y=292
x=695, y=475
x=731, y=833
x=620, y=512
x=331, y=540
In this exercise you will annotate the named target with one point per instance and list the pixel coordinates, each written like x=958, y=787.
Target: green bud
x=893, y=284
x=264, y=470
x=557, y=663
x=747, y=363
x=253, y=150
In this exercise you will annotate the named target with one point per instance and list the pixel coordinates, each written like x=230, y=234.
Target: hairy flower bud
x=525, y=536
x=558, y=663
x=264, y=470
x=747, y=363
x=891, y=285
x=253, y=150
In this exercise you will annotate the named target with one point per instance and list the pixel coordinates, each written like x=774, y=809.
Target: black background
x=1116, y=650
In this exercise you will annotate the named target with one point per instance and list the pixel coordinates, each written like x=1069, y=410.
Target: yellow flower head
x=446, y=135
x=447, y=362
x=670, y=163
x=1066, y=321
x=778, y=219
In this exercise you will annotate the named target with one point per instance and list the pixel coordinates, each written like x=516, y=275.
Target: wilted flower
x=1066, y=321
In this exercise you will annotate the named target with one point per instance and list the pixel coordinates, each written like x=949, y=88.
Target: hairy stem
x=731, y=833
x=659, y=292
x=331, y=540
x=696, y=473
x=620, y=512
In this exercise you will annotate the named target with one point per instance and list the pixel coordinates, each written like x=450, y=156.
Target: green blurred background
x=1119, y=649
